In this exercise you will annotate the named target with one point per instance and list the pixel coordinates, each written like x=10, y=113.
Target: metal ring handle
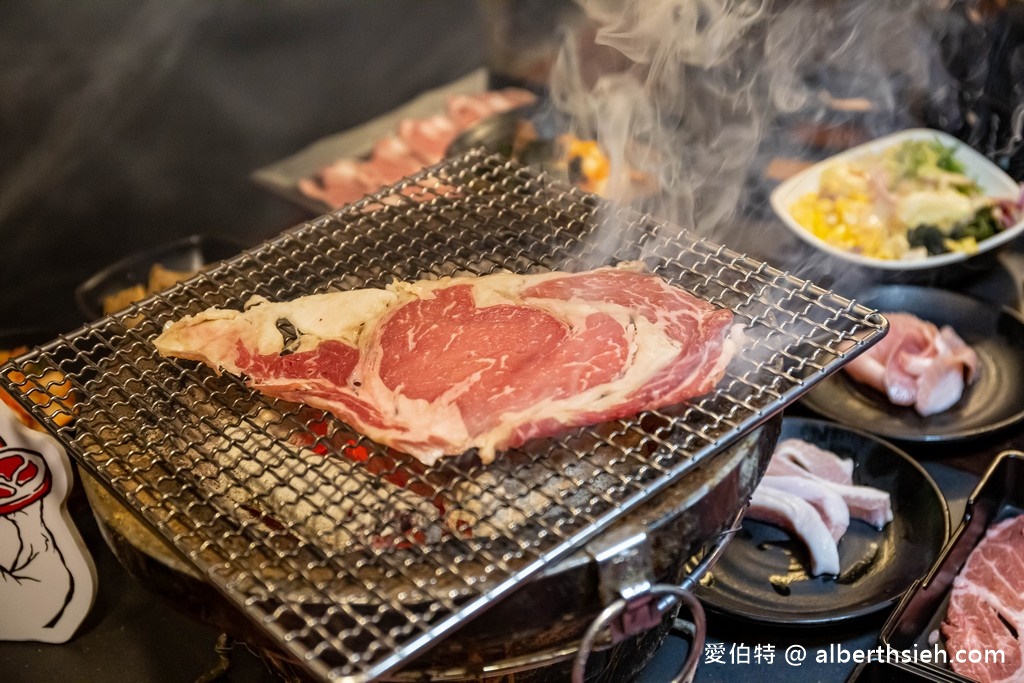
x=685, y=595
x=616, y=609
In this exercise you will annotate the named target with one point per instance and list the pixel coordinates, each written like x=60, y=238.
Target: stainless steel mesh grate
x=355, y=558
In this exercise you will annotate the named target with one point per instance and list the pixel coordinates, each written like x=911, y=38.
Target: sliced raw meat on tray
x=986, y=606
x=917, y=364
x=823, y=482
x=467, y=110
x=428, y=138
x=416, y=143
x=438, y=367
x=341, y=183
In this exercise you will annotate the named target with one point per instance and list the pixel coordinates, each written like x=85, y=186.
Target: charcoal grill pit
x=235, y=482
x=534, y=632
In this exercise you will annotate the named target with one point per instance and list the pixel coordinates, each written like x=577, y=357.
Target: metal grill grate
x=352, y=557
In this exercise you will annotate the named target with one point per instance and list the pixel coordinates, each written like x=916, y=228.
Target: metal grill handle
x=640, y=599
x=619, y=607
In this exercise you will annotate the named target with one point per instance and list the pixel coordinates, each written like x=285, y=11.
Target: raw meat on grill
x=986, y=606
x=438, y=367
x=917, y=364
x=824, y=482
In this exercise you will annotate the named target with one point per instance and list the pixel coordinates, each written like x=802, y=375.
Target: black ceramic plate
x=761, y=576
x=994, y=401
x=188, y=254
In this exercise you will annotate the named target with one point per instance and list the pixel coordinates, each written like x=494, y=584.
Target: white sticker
x=47, y=577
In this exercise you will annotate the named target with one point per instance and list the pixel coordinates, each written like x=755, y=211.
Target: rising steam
x=700, y=94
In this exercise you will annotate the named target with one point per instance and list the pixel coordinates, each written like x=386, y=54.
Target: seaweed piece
x=929, y=237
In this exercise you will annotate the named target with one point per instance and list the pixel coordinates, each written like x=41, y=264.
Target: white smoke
x=700, y=94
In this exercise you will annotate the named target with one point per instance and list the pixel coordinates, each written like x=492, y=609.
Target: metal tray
x=282, y=177
x=999, y=494
x=282, y=530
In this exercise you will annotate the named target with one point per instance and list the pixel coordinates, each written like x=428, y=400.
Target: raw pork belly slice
x=437, y=367
x=798, y=517
x=831, y=507
x=986, y=606
x=828, y=470
x=917, y=364
x=823, y=483
x=822, y=463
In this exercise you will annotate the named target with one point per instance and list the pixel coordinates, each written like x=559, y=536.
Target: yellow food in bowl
x=908, y=202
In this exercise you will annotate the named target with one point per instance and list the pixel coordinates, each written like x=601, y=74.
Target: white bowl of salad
x=914, y=200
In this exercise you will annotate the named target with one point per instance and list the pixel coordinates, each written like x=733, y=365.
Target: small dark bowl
x=188, y=254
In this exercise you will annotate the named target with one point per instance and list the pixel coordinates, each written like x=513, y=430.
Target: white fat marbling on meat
x=647, y=344
x=830, y=505
x=648, y=348
x=316, y=317
x=986, y=606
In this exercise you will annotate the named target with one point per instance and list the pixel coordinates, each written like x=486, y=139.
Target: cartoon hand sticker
x=34, y=582
x=47, y=580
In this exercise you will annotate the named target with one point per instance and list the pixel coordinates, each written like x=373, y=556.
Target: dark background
x=124, y=125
